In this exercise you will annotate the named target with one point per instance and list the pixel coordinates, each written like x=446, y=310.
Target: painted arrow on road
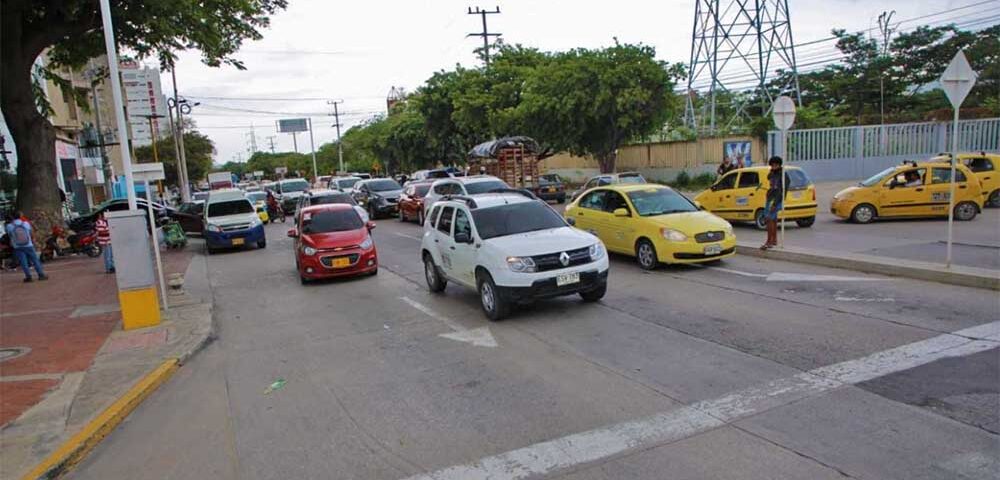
x=480, y=337
x=798, y=277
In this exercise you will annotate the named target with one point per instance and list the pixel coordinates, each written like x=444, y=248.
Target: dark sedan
x=550, y=187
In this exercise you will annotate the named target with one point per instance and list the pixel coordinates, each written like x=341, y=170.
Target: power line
x=273, y=99
x=486, y=33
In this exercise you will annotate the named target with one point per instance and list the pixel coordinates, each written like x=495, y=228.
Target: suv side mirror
x=463, y=237
x=621, y=212
x=293, y=233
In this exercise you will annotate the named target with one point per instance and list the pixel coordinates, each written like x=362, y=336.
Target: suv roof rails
x=470, y=202
x=519, y=191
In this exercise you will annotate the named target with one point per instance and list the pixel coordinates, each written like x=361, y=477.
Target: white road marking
x=737, y=272
x=562, y=453
x=807, y=277
x=480, y=337
x=864, y=299
x=405, y=236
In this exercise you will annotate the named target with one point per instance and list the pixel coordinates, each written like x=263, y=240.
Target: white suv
x=512, y=248
x=461, y=186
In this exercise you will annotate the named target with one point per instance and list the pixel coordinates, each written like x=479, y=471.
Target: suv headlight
x=365, y=245
x=310, y=251
x=255, y=221
x=521, y=264
x=596, y=251
x=211, y=227
x=673, y=235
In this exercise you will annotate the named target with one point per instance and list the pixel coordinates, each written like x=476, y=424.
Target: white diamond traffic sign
x=783, y=112
x=958, y=79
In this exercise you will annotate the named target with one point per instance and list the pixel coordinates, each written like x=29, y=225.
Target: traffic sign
x=958, y=79
x=783, y=112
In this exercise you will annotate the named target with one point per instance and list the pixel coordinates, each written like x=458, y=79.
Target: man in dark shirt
x=774, y=202
x=725, y=167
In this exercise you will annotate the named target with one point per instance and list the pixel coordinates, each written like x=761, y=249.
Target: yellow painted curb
x=77, y=447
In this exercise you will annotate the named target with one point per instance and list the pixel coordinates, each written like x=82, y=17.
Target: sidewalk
x=64, y=357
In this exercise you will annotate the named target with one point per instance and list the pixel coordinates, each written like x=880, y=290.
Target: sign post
x=956, y=81
x=312, y=146
x=783, y=113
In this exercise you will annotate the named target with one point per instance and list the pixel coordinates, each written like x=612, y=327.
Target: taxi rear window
x=797, y=180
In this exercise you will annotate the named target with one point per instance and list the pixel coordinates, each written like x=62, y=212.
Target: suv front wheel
x=435, y=282
x=494, y=305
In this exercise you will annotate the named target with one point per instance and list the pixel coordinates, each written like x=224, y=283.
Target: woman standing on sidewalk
x=774, y=202
x=104, y=240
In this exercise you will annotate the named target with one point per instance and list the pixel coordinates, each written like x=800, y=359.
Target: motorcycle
x=62, y=243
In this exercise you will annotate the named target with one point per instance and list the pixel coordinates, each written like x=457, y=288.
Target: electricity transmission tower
x=736, y=46
x=485, y=33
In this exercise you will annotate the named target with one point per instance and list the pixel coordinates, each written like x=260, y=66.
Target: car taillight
x=814, y=194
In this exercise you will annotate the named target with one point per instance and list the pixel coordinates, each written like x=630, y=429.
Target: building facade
x=147, y=107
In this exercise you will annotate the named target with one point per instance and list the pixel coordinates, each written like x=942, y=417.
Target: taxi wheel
x=806, y=222
x=863, y=213
x=994, y=199
x=758, y=219
x=494, y=305
x=966, y=211
x=435, y=282
x=645, y=254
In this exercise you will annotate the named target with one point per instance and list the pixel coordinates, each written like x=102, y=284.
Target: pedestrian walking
x=774, y=201
x=104, y=240
x=19, y=232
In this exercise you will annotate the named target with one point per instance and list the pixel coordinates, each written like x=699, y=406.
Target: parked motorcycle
x=63, y=242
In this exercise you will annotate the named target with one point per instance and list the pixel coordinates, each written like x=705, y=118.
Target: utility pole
x=93, y=75
x=336, y=116
x=182, y=172
x=270, y=139
x=253, y=140
x=886, y=30
x=485, y=34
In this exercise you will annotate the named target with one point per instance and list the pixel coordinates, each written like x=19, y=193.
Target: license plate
x=552, y=189
x=567, y=279
x=341, y=262
x=796, y=195
x=237, y=241
x=713, y=249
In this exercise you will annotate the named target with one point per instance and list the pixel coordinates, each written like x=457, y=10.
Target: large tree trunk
x=34, y=136
x=606, y=161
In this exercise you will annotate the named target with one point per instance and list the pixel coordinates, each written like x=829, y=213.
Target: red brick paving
x=20, y=396
x=37, y=315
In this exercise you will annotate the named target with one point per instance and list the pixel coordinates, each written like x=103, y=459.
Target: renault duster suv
x=512, y=248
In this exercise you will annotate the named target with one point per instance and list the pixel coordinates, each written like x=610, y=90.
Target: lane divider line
x=551, y=456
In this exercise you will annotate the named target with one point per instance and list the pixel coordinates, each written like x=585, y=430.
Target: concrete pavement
x=378, y=388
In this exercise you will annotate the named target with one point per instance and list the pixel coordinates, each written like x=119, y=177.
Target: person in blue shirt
x=19, y=232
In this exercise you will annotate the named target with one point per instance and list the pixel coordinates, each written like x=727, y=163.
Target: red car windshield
x=327, y=221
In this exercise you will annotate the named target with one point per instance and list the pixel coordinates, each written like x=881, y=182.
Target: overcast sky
x=357, y=51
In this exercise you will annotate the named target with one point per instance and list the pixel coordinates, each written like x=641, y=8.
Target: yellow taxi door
x=588, y=211
x=939, y=190
x=721, y=201
x=904, y=194
x=616, y=232
x=985, y=168
x=747, y=197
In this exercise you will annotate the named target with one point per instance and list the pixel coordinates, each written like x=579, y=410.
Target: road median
x=932, y=272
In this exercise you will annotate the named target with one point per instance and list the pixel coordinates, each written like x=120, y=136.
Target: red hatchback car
x=331, y=240
x=411, y=201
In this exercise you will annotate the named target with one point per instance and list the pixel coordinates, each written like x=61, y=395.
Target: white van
x=231, y=221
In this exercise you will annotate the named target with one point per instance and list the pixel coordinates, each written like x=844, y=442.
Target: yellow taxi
x=986, y=166
x=652, y=223
x=259, y=201
x=910, y=190
x=739, y=196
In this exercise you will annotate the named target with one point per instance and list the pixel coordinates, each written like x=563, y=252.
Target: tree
x=198, y=149
x=71, y=32
x=589, y=102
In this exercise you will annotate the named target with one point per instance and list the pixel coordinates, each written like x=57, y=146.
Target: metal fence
x=847, y=153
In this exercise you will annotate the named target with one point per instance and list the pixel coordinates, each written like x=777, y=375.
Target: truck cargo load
x=511, y=159
x=219, y=180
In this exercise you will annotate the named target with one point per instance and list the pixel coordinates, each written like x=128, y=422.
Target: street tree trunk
x=34, y=136
x=606, y=161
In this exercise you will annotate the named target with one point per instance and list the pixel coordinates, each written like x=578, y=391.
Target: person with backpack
x=104, y=240
x=19, y=232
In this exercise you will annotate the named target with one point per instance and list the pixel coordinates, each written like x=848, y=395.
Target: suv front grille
x=708, y=237
x=241, y=226
x=550, y=261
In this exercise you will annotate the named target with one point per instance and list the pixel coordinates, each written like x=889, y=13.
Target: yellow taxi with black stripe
x=911, y=190
x=986, y=167
x=739, y=196
x=653, y=223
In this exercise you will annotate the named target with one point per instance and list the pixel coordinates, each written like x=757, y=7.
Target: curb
x=956, y=275
x=80, y=444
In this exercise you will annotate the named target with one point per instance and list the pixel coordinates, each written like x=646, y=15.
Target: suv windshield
x=483, y=187
x=383, y=185
x=294, y=186
x=660, y=201
x=332, y=198
x=347, y=183
x=629, y=178
x=331, y=221
x=232, y=207
x=878, y=177
x=515, y=218
x=257, y=196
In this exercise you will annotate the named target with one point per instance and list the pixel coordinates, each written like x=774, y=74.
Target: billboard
x=292, y=125
x=738, y=153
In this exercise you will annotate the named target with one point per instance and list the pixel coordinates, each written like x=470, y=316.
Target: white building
x=145, y=99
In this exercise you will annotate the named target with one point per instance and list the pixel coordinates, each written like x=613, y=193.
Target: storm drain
x=10, y=353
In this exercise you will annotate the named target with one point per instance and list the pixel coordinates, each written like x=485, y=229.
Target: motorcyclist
x=272, y=205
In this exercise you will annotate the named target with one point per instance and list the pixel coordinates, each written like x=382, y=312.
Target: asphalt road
x=741, y=370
